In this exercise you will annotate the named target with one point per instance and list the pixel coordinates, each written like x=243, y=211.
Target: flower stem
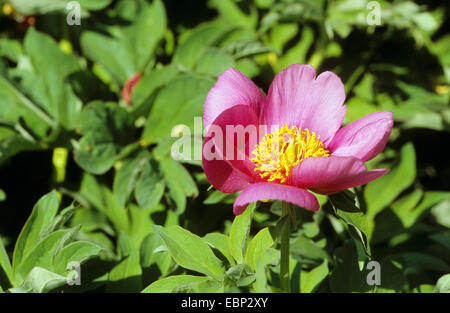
x=284, y=260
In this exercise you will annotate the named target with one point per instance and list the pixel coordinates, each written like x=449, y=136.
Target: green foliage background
x=139, y=221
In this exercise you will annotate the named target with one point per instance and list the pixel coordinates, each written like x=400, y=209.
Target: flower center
x=280, y=151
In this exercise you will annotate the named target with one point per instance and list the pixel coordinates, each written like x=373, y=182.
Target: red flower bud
x=129, y=86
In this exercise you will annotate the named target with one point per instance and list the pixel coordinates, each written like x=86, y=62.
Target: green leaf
x=407, y=211
x=209, y=286
x=381, y=192
x=311, y=280
x=345, y=207
x=98, y=47
x=443, y=284
x=125, y=244
x=358, y=107
x=424, y=288
x=406, y=204
x=32, y=7
x=126, y=177
x=233, y=15
x=275, y=208
x=95, y=158
x=40, y=280
x=241, y=274
x=174, y=171
x=441, y=213
x=311, y=229
x=151, y=82
x=191, y=49
x=106, y=122
x=43, y=253
x=104, y=200
x=264, y=4
x=220, y=242
x=13, y=144
x=179, y=182
x=392, y=276
x=146, y=31
x=281, y=34
x=150, y=186
x=423, y=98
x=79, y=251
x=5, y=263
x=215, y=197
x=190, y=251
x=297, y=54
x=240, y=230
x=43, y=213
x=364, y=89
x=346, y=275
x=177, y=103
x=270, y=257
x=149, y=256
x=431, y=120
x=55, y=95
x=307, y=251
x=106, y=128
x=214, y=62
x=246, y=48
x=133, y=45
x=11, y=49
x=126, y=276
x=441, y=238
x=258, y=245
x=421, y=261
x=58, y=221
x=141, y=224
x=168, y=284
x=17, y=106
x=65, y=240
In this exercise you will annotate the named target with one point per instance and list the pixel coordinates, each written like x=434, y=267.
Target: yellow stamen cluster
x=280, y=151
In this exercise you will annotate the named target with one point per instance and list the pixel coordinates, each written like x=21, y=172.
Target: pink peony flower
x=303, y=148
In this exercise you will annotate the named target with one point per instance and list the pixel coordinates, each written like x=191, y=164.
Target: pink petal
x=222, y=176
x=297, y=98
x=232, y=88
x=269, y=191
x=364, y=138
x=328, y=175
x=236, y=152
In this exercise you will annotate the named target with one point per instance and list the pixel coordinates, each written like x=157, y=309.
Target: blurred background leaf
x=111, y=91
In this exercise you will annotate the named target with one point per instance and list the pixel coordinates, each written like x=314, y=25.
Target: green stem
x=284, y=261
